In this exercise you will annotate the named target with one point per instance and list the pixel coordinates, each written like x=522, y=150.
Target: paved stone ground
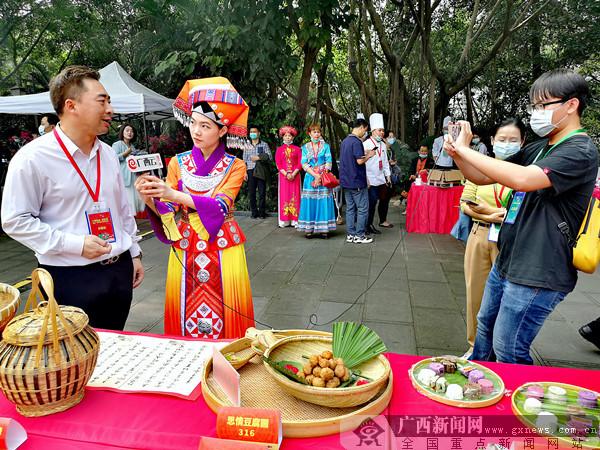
x=408, y=287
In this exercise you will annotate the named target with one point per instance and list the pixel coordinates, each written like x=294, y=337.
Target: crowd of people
x=71, y=198
x=371, y=171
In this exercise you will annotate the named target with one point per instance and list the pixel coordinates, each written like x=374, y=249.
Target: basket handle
x=42, y=278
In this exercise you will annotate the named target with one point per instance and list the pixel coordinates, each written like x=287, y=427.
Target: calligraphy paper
x=144, y=364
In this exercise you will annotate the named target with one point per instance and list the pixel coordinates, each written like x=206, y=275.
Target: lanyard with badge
x=519, y=196
x=379, y=152
x=98, y=217
x=495, y=227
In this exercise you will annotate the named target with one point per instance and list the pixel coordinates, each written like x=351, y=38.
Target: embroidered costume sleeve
x=306, y=157
x=213, y=211
x=328, y=161
x=280, y=160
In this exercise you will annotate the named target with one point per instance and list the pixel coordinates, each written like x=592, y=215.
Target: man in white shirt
x=378, y=167
x=64, y=198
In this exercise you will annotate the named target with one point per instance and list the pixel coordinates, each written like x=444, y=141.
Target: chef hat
x=376, y=121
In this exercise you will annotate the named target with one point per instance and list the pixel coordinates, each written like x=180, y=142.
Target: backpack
x=586, y=251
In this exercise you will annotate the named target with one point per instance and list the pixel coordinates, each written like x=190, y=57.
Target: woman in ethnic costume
x=316, y=214
x=208, y=289
x=288, y=159
x=123, y=148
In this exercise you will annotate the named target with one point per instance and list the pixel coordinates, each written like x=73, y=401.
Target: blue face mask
x=503, y=150
x=378, y=138
x=315, y=140
x=253, y=136
x=391, y=141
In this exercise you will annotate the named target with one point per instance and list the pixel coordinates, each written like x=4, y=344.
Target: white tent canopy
x=127, y=97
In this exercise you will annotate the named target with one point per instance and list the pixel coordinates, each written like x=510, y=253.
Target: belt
x=112, y=259
x=481, y=224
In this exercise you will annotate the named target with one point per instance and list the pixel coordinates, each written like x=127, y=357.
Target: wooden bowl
x=294, y=347
x=9, y=303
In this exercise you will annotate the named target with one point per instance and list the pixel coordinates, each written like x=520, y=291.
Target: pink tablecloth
x=108, y=420
x=430, y=209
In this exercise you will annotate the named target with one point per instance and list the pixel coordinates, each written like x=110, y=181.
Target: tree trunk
x=431, y=122
x=402, y=112
x=303, y=103
x=392, y=122
x=493, y=96
x=469, y=101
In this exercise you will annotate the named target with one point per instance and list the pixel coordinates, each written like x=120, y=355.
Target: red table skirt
x=112, y=420
x=431, y=209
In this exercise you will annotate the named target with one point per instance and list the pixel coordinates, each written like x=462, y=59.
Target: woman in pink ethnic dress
x=288, y=159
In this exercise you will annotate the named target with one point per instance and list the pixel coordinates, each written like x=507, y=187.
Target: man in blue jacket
x=353, y=178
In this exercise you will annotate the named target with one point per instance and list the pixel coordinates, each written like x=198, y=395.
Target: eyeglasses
x=542, y=106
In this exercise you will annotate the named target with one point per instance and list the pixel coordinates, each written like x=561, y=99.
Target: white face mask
x=541, y=122
x=42, y=130
x=287, y=141
x=503, y=150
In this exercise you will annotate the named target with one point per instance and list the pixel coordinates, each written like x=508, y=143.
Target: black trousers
x=253, y=184
x=104, y=292
x=385, y=195
x=374, y=192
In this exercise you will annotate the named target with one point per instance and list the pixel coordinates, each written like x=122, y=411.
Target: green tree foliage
x=301, y=60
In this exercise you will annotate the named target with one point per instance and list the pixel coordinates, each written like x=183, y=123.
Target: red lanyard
x=379, y=151
x=497, y=197
x=94, y=195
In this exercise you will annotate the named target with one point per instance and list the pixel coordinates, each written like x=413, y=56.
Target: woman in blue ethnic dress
x=316, y=211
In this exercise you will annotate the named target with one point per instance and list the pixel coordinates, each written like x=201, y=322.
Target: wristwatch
x=139, y=256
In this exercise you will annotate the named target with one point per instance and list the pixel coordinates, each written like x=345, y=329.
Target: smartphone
x=454, y=130
x=471, y=203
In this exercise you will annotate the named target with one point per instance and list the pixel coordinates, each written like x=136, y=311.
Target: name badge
x=380, y=165
x=515, y=206
x=494, y=232
x=100, y=222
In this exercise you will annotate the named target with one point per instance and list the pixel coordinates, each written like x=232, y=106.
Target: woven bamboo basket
x=47, y=354
x=300, y=419
x=263, y=339
x=293, y=348
x=10, y=299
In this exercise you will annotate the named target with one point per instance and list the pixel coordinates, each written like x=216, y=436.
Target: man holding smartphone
x=553, y=179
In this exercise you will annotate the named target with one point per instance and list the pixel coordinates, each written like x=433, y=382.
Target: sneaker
x=349, y=238
x=362, y=240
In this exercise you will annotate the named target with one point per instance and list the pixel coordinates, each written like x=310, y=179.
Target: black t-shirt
x=533, y=251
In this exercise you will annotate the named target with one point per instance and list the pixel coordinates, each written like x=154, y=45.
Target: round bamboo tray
x=47, y=354
x=263, y=339
x=293, y=348
x=299, y=419
x=10, y=299
x=518, y=398
x=486, y=400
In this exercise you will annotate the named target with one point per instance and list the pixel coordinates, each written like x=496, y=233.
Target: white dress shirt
x=375, y=175
x=45, y=200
